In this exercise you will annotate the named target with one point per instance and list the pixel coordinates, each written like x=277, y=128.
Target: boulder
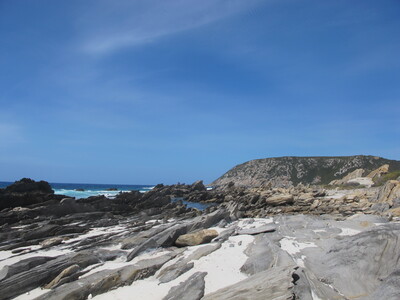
x=198, y=186
x=196, y=238
x=52, y=242
x=26, y=185
x=66, y=272
x=280, y=199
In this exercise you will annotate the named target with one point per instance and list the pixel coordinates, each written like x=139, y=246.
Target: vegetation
x=306, y=170
x=389, y=176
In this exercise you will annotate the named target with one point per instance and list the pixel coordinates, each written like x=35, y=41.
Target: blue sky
x=154, y=91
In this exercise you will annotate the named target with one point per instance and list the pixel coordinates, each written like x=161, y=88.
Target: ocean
x=84, y=190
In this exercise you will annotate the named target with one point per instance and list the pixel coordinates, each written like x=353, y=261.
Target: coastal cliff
x=291, y=170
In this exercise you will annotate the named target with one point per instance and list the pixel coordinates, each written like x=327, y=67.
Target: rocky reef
x=299, y=242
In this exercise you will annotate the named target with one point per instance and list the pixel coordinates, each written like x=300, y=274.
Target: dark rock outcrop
x=26, y=192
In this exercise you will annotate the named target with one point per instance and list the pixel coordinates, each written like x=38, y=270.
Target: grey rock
x=264, y=254
x=103, y=281
x=23, y=265
x=203, y=251
x=224, y=235
x=65, y=273
x=27, y=280
x=191, y=289
x=198, y=186
x=380, y=207
x=355, y=265
x=150, y=243
x=170, y=273
x=258, y=230
x=389, y=289
x=275, y=283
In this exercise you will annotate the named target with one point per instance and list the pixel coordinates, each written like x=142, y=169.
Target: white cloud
x=110, y=26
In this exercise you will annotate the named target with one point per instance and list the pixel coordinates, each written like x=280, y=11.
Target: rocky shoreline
x=302, y=242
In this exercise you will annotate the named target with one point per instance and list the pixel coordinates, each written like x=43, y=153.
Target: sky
x=155, y=91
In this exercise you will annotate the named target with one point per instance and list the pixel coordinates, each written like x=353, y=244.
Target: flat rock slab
x=275, y=283
x=258, y=230
x=191, y=289
x=103, y=281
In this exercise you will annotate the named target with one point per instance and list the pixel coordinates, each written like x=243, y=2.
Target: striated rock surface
x=276, y=283
x=308, y=243
x=191, y=289
x=375, y=174
x=388, y=193
x=352, y=175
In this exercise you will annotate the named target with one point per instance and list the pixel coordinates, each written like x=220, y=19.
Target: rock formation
x=290, y=171
x=299, y=242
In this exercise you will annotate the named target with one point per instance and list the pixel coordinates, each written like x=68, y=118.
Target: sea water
x=84, y=190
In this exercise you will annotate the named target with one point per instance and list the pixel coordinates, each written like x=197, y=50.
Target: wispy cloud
x=114, y=25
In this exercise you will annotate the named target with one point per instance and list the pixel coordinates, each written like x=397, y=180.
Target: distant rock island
x=291, y=170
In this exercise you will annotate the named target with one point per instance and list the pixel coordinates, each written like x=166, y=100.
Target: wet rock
x=191, y=289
